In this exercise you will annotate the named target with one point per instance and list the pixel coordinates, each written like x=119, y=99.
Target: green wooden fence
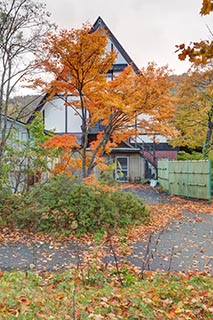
x=191, y=178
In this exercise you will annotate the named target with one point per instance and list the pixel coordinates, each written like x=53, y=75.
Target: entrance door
x=122, y=169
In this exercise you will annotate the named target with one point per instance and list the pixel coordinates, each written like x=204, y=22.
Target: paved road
x=184, y=245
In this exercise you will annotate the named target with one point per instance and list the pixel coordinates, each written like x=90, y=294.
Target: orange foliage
x=92, y=181
x=207, y=7
x=130, y=95
x=95, y=144
x=65, y=142
x=198, y=52
x=73, y=58
x=79, y=61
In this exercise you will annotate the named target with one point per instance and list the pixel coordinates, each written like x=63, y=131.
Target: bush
x=10, y=205
x=182, y=155
x=130, y=208
x=63, y=206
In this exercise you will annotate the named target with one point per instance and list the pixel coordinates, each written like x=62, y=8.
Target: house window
x=122, y=169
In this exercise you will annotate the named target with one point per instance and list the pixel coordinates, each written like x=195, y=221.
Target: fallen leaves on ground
x=161, y=215
x=96, y=290
x=67, y=295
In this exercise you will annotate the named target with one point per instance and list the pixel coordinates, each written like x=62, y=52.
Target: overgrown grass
x=61, y=206
x=66, y=296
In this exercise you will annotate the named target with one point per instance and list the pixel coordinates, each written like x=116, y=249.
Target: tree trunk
x=208, y=141
x=101, y=146
x=1, y=164
x=84, y=148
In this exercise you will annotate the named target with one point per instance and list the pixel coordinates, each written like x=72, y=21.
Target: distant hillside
x=21, y=107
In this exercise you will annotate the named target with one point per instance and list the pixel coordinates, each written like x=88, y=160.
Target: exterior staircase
x=146, y=151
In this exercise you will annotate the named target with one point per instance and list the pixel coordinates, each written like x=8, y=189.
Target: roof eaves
x=38, y=108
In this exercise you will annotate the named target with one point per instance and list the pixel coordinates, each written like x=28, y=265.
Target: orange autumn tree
x=78, y=60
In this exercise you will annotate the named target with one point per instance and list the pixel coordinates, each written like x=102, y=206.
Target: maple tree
x=194, y=111
x=198, y=52
x=79, y=61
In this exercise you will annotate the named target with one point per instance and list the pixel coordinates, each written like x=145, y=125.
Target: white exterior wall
x=54, y=115
x=74, y=121
x=120, y=58
x=19, y=130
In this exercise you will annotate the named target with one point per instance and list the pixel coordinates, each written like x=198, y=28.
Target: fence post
x=187, y=178
x=209, y=180
x=168, y=170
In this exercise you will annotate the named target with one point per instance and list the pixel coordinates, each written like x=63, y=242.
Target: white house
x=136, y=158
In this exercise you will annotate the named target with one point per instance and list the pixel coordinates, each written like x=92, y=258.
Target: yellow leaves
x=199, y=53
x=207, y=7
x=179, y=309
x=193, y=102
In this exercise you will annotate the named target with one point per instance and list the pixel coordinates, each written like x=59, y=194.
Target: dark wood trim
x=38, y=108
x=66, y=116
x=100, y=23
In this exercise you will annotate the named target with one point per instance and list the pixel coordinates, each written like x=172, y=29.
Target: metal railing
x=146, y=150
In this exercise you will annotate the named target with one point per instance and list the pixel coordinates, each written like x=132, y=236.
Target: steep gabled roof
x=13, y=120
x=100, y=23
x=40, y=104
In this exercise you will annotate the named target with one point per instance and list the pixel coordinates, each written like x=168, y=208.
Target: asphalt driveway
x=184, y=245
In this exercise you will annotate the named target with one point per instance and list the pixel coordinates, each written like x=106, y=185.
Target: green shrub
x=10, y=205
x=182, y=155
x=62, y=206
x=131, y=208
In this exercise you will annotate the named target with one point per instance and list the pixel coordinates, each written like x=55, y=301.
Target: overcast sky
x=147, y=29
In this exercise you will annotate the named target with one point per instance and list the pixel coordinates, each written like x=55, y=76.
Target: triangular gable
x=116, y=67
x=100, y=23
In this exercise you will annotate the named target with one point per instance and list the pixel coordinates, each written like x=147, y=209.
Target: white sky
x=147, y=29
